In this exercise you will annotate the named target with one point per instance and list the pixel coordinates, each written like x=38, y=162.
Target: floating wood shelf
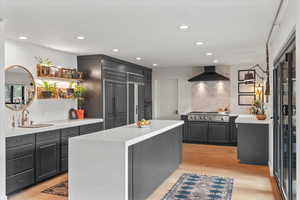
x=59, y=78
x=59, y=93
x=58, y=73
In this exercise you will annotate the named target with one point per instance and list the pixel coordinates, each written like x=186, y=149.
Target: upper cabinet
x=148, y=85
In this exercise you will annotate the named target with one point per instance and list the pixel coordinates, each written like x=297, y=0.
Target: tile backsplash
x=209, y=96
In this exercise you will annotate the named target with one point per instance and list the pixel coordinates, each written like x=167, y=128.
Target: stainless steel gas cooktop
x=208, y=116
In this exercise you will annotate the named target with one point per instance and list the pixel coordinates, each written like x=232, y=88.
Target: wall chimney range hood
x=209, y=74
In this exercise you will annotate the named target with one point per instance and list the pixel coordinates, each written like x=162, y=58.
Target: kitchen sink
x=36, y=126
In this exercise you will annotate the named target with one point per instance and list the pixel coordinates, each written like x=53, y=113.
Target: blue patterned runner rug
x=200, y=187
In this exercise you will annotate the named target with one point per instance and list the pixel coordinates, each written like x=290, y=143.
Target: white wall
x=2, y=115
x=282, y=32
x=184, y=87
x=22, y=53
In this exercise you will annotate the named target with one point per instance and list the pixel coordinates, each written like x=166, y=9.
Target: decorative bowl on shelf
x=261, y=117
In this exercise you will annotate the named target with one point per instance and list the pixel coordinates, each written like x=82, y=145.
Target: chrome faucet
x=25, y=117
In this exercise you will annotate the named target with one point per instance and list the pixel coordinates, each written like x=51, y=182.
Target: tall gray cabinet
x=108, y=90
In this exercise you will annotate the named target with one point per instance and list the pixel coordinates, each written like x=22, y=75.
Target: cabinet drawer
x=48, y=136
x=19, y=140
x=90, y=128
x=69, y=132
x=18, y=165
x=19, y=181
x=20, y=151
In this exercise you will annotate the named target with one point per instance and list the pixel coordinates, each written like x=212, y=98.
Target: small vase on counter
x=80, y=113
x=78, y=93
x=261, y=117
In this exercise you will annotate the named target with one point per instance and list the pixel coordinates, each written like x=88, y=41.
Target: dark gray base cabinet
x=47, y=154
x=66, y=134
x=152, y=161
x=198, y=132
x=253, y=143
x=218, y=132
x=33, y=158
x=20, y=162
x=206, y=132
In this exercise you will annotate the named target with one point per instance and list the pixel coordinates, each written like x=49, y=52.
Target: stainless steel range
x=208, y=116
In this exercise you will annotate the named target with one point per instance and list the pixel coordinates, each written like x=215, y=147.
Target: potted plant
x=70, y=90
x=43, y=61
x=48, y=89
x=44, y=66
x=78, y=94
x=258, y=109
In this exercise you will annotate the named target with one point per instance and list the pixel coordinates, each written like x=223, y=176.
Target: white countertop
x=131, y=134
x=250, y=119
x=61, y=124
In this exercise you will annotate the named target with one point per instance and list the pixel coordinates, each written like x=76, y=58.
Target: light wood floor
x=251, y=182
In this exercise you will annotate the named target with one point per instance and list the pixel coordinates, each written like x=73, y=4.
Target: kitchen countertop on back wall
x=61, y=124
x=250, y=119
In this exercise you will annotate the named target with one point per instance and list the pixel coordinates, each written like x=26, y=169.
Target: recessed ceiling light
x=183, y=27
x=138, y=58
x=209, y=54
x=155, y=65
x=115, y=50
x=199, y=43
x=80, y=37
x=216, y=61
x=23, y=38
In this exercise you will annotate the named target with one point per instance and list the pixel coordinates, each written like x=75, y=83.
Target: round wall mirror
x=19, y=88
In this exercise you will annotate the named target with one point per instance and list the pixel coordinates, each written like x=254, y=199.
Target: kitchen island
x=125, y=163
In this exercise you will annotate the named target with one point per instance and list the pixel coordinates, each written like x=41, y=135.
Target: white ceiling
x=234, y=30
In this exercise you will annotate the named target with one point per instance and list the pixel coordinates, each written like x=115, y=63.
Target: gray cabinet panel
x=19, y=181
x=19, y=140
x=218, y=132
x=109, y=100
x=90, y=128
x=198, y=131
x=69, y=132
x=64, y=165
x=18, y=165
x=141, y=96
x=115, y=104
x=48, y=136
x=120, y=98
x=253, y=143
x=20, y=153
x=48, y=159
x=131, y=103
x=17, y=152
x=64, y=145
x=152, y=161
